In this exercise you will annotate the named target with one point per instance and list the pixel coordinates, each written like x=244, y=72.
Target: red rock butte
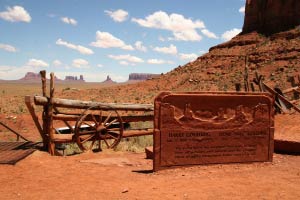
x=271, y=16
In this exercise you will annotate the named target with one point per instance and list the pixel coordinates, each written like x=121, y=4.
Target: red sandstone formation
x=108, y=80
x=271, y=16
x=31, y=76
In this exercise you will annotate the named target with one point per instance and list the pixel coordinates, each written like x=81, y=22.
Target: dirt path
x=117, y=175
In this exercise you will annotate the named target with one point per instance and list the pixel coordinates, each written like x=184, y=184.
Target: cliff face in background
x=271, y=16
x=31, y=76
x=141, y=76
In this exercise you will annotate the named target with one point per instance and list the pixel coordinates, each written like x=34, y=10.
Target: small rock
x=125, y=191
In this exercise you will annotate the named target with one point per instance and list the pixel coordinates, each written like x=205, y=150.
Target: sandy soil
x=123, y=175
x=117, y=175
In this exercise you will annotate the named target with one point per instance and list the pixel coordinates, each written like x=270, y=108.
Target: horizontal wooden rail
x=137, y=118
x=68, y=103
x=15, y=132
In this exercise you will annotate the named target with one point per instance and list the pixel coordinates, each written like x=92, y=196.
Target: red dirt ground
x=124, y=175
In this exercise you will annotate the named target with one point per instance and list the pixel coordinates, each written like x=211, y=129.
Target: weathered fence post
x=293, y=84
x=51, y=146
x=238, y=87
x=45, y=112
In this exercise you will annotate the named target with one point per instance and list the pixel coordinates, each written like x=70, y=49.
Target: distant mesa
x=142, y=76
x=31, y=76
x=36, y=77
x=74, y=78
x=108, y=80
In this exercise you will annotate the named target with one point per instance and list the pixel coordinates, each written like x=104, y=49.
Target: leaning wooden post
x=51, y=147
x=246, y=75
x=293, y=84
x=45, y=110
x=258, y=81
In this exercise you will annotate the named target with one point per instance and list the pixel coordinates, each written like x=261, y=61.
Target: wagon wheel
x=94, y=126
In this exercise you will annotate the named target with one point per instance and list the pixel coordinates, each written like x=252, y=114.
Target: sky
x=96, y=38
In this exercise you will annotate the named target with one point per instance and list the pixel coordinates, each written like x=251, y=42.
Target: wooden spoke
x=90, y=125
x=100, y=116
x=106, y=143
x=87, y=139
x=94, y=119
x=91, y=146
x=109, y=133
x=110, y=123
x=107, y=118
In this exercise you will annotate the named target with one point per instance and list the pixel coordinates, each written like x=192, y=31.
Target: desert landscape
x=269, y=45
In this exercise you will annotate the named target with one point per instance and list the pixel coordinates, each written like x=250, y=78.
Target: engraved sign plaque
x=207, y=128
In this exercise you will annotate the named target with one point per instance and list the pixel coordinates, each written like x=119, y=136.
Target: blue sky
x=97, y=38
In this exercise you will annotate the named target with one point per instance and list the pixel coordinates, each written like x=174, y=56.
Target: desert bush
x=135, y=144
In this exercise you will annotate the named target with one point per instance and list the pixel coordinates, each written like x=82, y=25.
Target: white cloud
x=107, y=40
x=159, y=61
x=100, y=65
x=118, y=15
x=68, y=20
x=14, y=73
x=185, y=56
x=36, y=63
x=79, y=48
x=80, y=63
x=8, y=48
x=57, y=63
x=242, y=9
x=139, y=46
x=187, y=35
x=228, y=35
x=209, y=34
x=127, y=57
x=15, y=14
x=181, y=27
x=172, y=49
x=123, y=62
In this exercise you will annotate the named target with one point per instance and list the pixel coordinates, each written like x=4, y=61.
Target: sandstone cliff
x=271, y=16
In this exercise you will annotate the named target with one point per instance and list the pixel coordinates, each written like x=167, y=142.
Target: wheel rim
x=94, y=126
